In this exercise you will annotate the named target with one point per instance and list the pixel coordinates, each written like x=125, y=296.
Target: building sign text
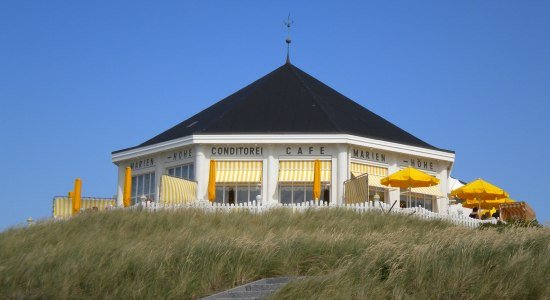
x=305, y=150
x=368, y=155
x=179, y=155
x=142, y=163
x=246, y=151
x=419, y=164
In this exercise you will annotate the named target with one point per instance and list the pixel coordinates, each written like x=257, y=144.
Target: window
x=143, y=185
x=423, y=200
x=234, y=193
x=184, y=171
x=297, y=192
x=377, y=190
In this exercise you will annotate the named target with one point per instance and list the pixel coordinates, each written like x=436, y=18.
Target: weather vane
x=288, y=23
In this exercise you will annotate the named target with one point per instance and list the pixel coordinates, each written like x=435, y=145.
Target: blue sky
x=81, y=79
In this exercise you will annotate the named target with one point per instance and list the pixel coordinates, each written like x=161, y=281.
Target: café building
x=265, y=138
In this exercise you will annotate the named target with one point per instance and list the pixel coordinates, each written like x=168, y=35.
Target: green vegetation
x=189, y=254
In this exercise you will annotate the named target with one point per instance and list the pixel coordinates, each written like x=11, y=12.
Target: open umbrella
x=486, y=204
x=480, y=191
x=409, y=178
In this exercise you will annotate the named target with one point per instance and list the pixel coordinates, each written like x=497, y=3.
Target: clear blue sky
x=79, y=79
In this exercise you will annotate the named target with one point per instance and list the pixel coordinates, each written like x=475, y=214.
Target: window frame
x=138, y=185
x=306, y=186
x=418, y=200
x=224, y=187
x=174, y=170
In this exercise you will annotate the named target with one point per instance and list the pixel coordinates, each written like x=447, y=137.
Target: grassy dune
x=189, y=254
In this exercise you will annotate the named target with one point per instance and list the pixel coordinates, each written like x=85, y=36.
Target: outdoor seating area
x=489, y=203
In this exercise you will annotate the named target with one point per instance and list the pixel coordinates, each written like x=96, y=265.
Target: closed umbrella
x=76, y=196
x=212, y=182
x=317, y=180
x=127, y=195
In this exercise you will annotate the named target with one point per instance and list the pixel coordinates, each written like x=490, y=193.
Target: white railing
x=258, y=207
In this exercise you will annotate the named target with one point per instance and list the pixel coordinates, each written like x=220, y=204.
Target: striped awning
x=431, y=190
x=376, y=173
x=302, y=171
x=62, y=206
x=360, y=169
x=174, y=190
x=238, y=171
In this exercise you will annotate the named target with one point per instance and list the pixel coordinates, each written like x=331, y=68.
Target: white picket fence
x=258, y=207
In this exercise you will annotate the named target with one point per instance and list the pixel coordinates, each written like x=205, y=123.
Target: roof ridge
x=315, y=97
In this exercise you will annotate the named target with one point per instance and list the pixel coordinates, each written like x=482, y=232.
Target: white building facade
x=265, y=138
x=190, y=158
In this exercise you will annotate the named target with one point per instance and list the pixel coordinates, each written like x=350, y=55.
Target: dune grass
x=188, y=254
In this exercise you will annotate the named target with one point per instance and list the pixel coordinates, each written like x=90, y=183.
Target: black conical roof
x=288, y=100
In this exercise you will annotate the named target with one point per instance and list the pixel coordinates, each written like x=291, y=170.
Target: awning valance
x=238, y=171
x=175, y=190
x=358, y=169
x=375, y=173
x=302, y=171
x=374, y=180
x=431, y=190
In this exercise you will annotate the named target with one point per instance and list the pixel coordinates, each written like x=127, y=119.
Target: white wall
x=340, y=154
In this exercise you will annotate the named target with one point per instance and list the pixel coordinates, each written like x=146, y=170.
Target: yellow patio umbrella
x=212, y=182
x=479, y=191
x=486, y=204
x=317, y=180
x=409, y=178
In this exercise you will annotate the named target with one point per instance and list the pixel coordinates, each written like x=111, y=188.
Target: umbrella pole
x=479, y=207
x=409, y=196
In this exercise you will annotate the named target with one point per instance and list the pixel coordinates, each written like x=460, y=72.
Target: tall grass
x=188, y=254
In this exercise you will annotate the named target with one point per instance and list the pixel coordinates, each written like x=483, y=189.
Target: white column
x=159, y=171
x=120, y=184
x=394, y=193
x=201, y=172
x=442, y=205
x=342, y=173
x=265, y=178
x=272, y=176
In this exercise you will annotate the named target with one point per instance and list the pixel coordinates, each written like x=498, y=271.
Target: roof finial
x=288, y=22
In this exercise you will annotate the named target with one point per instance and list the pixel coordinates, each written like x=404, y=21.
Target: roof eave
x=282, y=138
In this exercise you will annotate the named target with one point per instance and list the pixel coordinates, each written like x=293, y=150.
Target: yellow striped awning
x=302, y=170
x=430, y=190
x=376, y=173
x=62, y=206
x=358, y=169
x=175, y=190
x=238, y=171
x=374, y=180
